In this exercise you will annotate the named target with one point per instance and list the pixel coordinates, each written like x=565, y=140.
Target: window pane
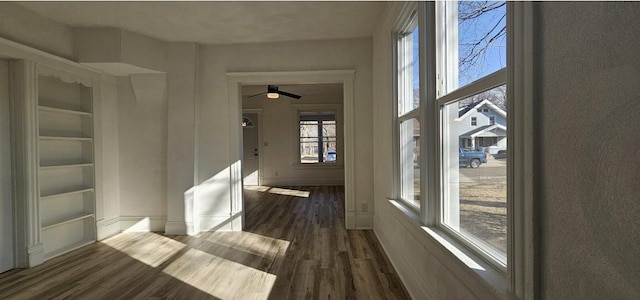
x=408, y=70
x=474, y=170
x=410, y=161
x=318, y=140
x=482, y=40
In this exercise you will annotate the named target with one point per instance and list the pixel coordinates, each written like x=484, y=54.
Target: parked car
x=472, y=159
x=331, y=156
x=500, y=154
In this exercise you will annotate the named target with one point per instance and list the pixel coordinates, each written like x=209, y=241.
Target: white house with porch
x=482, y=126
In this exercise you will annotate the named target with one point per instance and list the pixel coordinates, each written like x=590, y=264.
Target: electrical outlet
x=364, y=207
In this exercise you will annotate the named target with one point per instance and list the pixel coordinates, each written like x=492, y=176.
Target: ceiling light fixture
x=273, y=95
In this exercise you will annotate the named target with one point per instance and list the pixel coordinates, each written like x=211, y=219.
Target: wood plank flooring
x=294, y=247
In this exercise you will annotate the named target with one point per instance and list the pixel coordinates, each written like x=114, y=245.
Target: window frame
x=319, y=144
x=518, y=277
x=410, y=17
x=318, y=108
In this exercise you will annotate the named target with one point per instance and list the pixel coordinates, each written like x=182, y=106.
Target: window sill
x=449, y=251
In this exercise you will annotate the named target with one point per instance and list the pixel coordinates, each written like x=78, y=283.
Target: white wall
x=23, y=26
x=107, y=156
x=587, y=87
x=142, y=145
x=279, y=131
x=213, y=133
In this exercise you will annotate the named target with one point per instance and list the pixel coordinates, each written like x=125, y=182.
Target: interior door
x=250, y=155
x=6, y=204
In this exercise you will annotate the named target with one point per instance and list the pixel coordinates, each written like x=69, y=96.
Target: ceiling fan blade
x=257, y=94
x=289, y=95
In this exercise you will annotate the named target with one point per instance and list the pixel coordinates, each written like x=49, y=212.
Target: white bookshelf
x=65, y=169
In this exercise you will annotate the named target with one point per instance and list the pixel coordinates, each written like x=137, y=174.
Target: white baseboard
x=364, y=221
x=215, y=223
x=107, y=228
x=137, y=224
x=179, y=228
x=35, y=254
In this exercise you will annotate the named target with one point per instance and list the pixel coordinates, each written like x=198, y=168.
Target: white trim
x=522, y=218
x=108, y=228
x=24, y=128
x=346, y=77
x=178, y=228
x=12, y=50
x=142, y=223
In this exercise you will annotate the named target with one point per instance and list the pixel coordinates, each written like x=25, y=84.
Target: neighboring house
x=483, y=126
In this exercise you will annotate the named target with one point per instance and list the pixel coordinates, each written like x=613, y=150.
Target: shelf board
x=76, y=191
x=70, y=219
x=64, y=111
x=62, y=166
x=68, y=248
x=66, y=138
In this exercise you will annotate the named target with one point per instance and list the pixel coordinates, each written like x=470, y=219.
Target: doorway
x=251, y=124
x=6, y=202
x=236, y=80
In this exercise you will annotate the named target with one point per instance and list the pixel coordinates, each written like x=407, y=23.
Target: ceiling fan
x=274, y=93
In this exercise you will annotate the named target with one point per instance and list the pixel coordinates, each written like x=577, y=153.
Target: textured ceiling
x=221, y=22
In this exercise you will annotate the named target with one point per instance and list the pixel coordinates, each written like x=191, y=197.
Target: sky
x=469, y=32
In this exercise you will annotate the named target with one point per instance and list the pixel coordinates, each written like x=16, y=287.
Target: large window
x=463, y=155
x=318, y=140
x=408, y=111
x=473, y=196
x=461, y=109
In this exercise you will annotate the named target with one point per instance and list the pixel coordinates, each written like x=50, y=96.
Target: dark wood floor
x=294, y=247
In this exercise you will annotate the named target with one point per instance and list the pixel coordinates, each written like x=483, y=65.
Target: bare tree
x=481, y=26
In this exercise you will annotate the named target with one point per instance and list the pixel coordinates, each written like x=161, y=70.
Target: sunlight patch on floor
x=251, y=243
x=279, y=191
x=289, y=192
x=152, y=249
x=219, y=277
x=257, y=188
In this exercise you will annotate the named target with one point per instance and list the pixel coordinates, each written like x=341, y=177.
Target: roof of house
x=466, y=111
x=483, y=129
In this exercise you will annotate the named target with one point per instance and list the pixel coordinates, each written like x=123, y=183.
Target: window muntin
x=318, y=140
x=474, y=121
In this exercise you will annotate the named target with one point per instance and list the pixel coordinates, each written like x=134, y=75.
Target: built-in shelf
x=62, y=166
x=68, y=248
x=64, y=111
x=66, y=138
x=66, y=170
x=71, y=192
x=70, y=219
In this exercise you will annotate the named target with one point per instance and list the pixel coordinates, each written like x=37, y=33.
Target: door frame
x=257, y=111
x=235, y=80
